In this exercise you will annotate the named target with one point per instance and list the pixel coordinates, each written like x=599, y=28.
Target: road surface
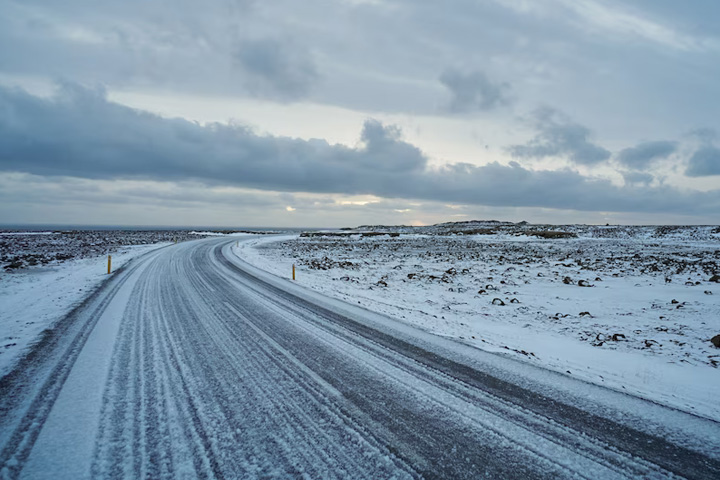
x=190, y=364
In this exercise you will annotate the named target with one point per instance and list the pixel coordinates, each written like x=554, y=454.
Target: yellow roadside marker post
x=293, y=271
x=109, y=264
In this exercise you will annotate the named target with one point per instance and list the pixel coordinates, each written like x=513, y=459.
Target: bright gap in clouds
x=141, y=203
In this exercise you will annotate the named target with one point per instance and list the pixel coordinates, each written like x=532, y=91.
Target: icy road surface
x=191, y=364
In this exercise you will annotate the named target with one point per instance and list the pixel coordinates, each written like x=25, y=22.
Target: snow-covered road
x=191, y=364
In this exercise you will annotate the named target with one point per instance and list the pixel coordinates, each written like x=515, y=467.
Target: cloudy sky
x=347, y=112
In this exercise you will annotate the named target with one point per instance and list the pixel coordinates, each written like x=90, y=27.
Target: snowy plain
x=632, y=309
x=47, y=274
x=33, y=300
x=395, y=275
x=642, y=327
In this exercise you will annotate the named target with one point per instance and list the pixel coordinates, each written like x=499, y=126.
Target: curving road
x=191, y=364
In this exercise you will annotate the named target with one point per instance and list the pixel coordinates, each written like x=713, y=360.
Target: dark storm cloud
x=513, y=185
x=33, y=189
x=704, y=162
x=81, y=134
x=643, y=155
x=276, y=69
x=560, y=137
x=386, y=151
x=473, y=91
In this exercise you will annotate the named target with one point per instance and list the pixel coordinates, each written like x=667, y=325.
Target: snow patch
x=634, y=313
x=32, y=300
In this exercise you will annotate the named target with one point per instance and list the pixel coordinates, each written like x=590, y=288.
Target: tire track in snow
x=238, y=403
x=121, y=433
x=487, y=429
x=140, y=441
x=53, y=364
x=555, y=418
x=539, y=456
x=593, y=449
x=216, y=374
x=490, y=405
x=296, y=416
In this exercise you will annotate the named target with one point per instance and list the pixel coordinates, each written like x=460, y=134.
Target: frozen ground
x=191, y=364
x=47, y=274
x=28, y=249
x=632, y=308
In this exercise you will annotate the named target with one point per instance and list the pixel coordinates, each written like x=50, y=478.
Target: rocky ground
x=23, y=249
x=652, y=289
x=45, y=274
x=26, y=249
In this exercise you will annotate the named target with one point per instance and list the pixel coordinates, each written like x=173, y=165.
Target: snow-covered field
x=632, y=308
x=47, y=274
x=29, y=249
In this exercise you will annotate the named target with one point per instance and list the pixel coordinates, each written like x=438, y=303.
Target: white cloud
x=614, y=18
